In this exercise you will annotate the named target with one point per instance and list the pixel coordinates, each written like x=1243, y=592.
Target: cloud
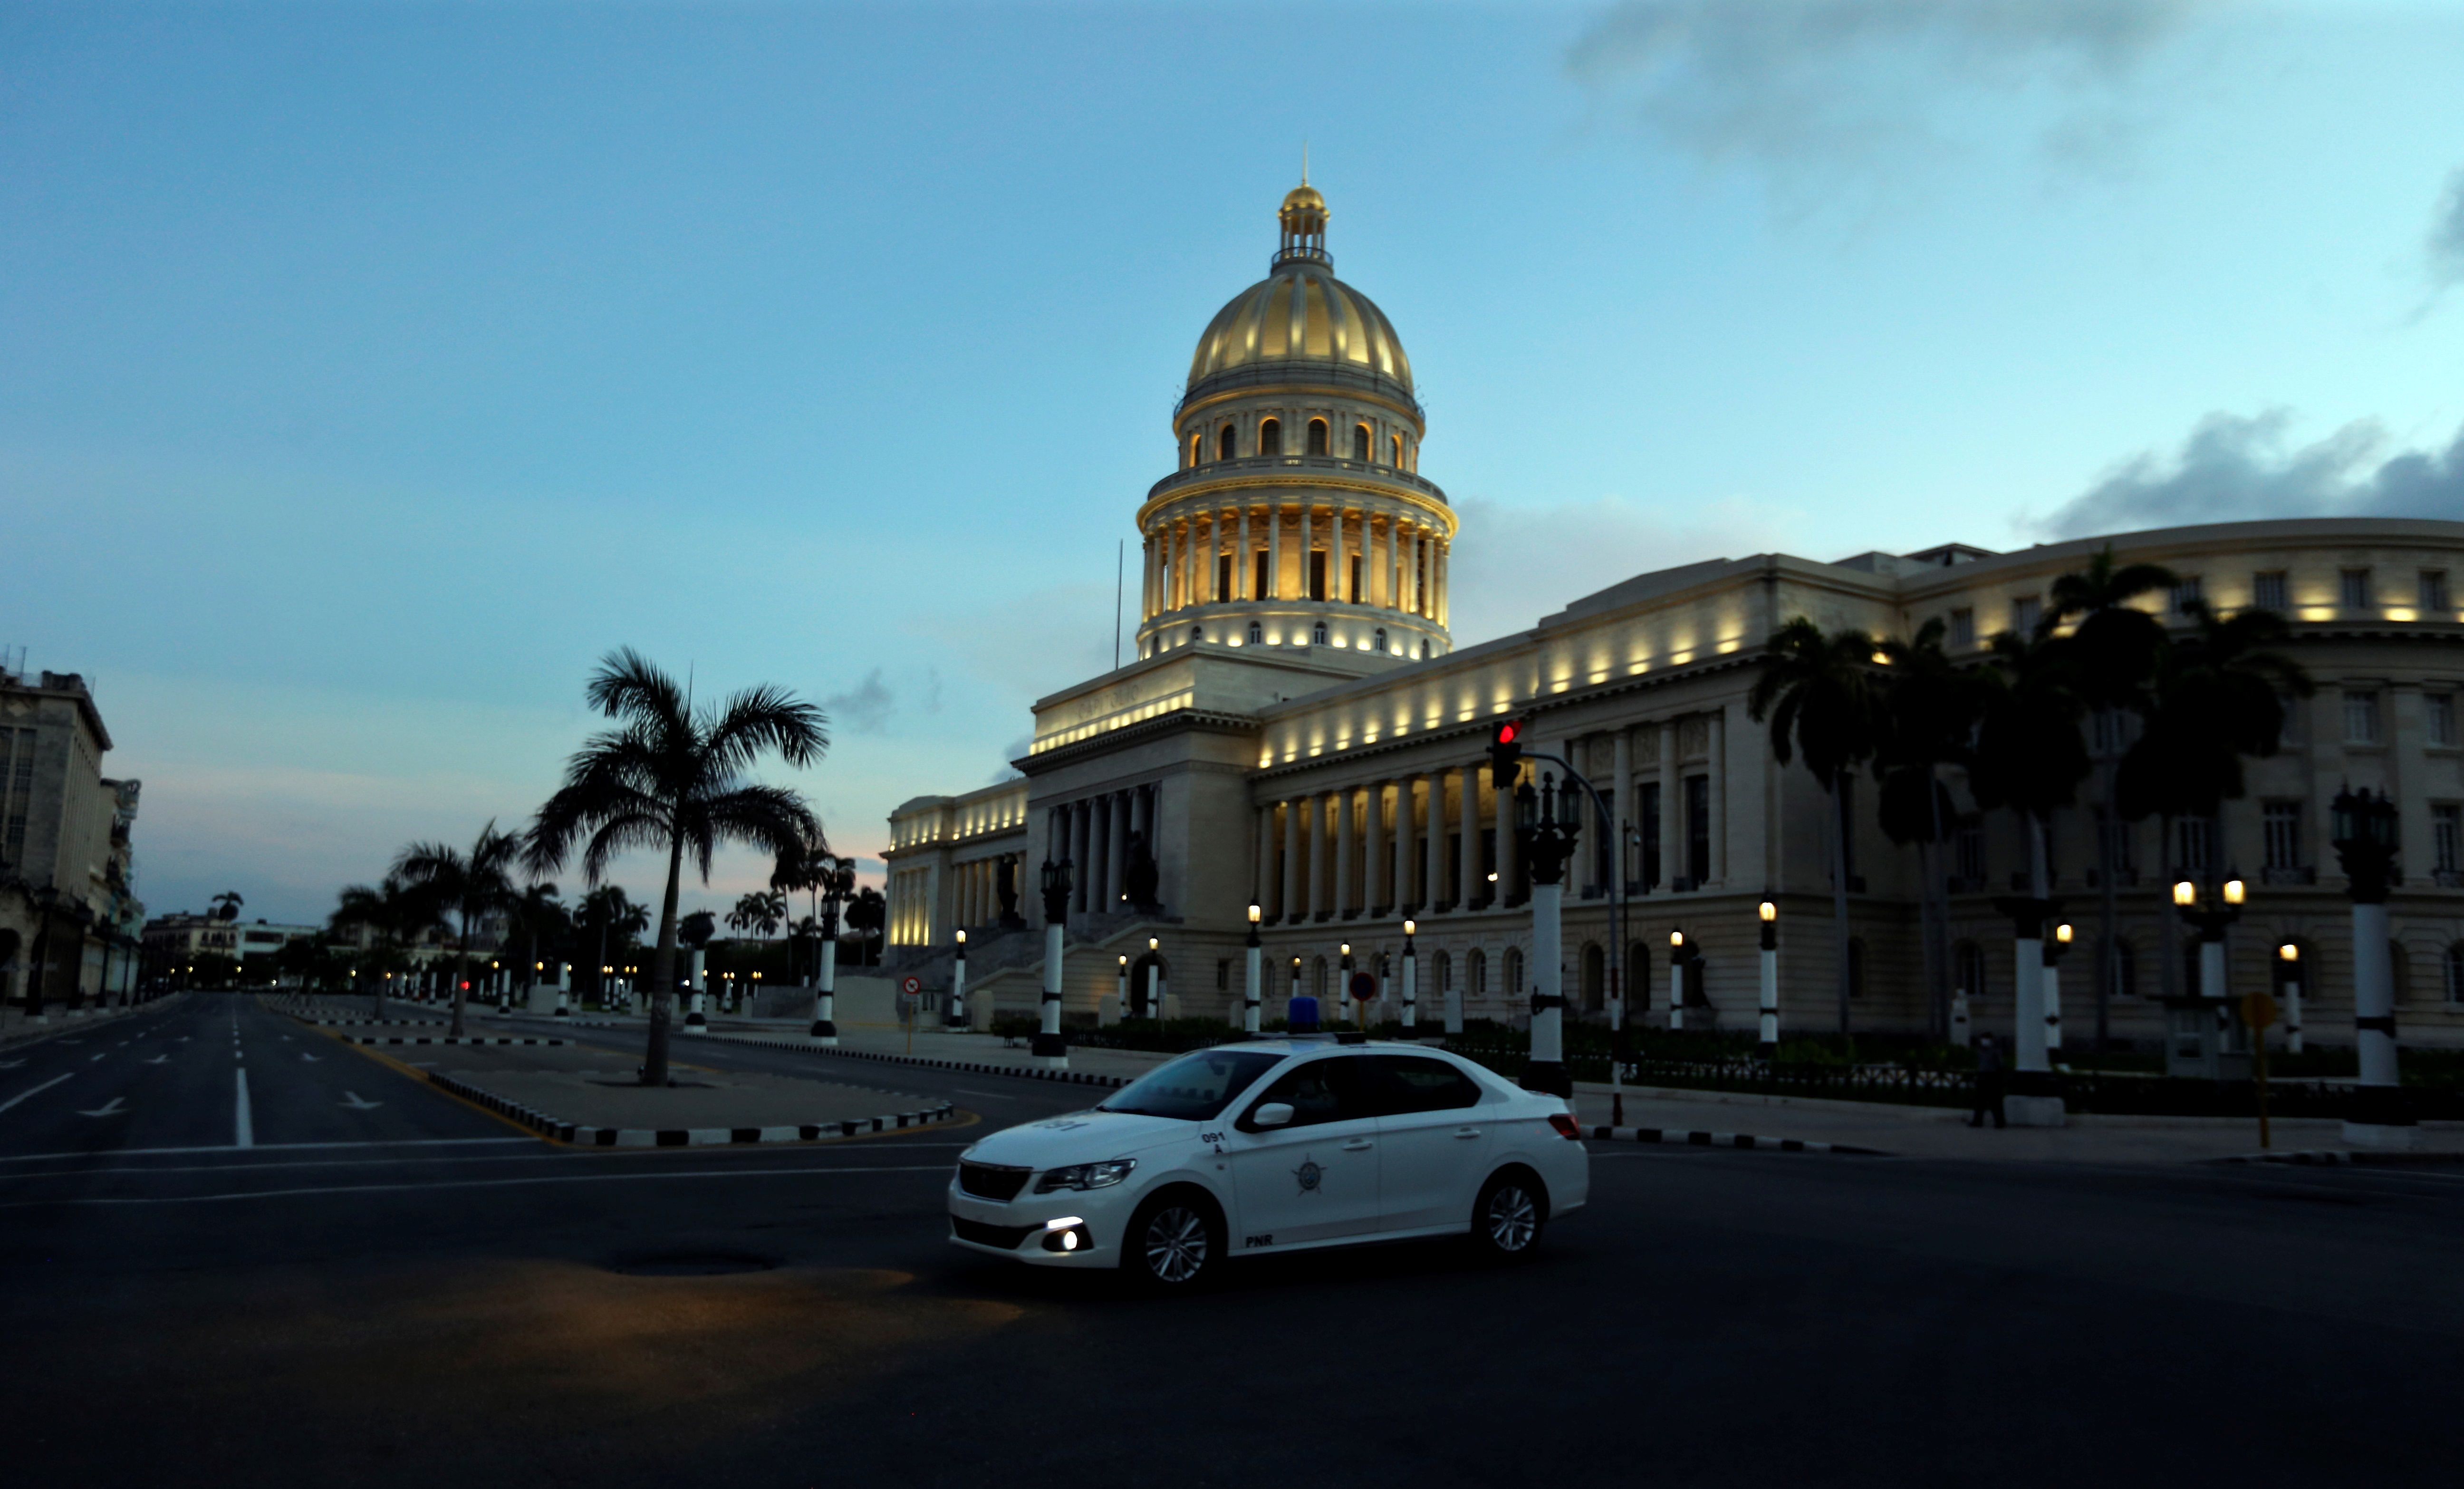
x=1511, y=565
x=2235, y=468
x=866, y=709
x=1016, y=749
x=2446, y=246
x=1816, y=95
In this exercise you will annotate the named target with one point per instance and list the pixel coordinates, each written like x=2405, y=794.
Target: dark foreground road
x=387, y=1287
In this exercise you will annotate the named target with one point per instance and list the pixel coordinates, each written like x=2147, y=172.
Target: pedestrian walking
x=1989, y=1082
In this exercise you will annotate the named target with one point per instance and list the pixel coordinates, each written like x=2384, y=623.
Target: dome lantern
x=1303, y=218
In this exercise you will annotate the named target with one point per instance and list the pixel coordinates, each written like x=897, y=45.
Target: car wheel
x=1510, y=1216
x=1175, y=1243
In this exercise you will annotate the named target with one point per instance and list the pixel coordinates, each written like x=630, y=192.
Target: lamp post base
x=825, y=1032
x=2036, y=1111
x=1550, y=1078
x=2382, y=1137
x=1049, y=1052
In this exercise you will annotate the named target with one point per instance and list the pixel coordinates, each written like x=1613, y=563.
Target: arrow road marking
x=351, y=1100
x=29, y=1091
x=111, y=1108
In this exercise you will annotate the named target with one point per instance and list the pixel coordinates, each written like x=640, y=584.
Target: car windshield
x=1194, y=1087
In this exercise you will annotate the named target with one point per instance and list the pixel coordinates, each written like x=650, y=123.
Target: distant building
x=68, y=914
x=174, y=939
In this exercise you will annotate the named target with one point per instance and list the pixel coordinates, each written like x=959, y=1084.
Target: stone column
x=1404, y=842
x=1342, y=825
x=1474, y=885
x=1146, y=578
x=1274, y=551
x=1301, y=585
x=1390, y=572
x=1435, y=855
x=1320, y=902
x=1244, y=565
x=1293, y=910
x=1116, y=848
x=1264, y=878
x=1672, y=806
x=1081, y=824
x=1621, y=806
x=1376, y=894
x=1411, y=599
x=1719, y=793
x=1443, y=609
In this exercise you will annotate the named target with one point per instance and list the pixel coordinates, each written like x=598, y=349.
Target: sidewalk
x=1943, y=1132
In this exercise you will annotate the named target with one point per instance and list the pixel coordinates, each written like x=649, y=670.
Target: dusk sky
x=368, y=370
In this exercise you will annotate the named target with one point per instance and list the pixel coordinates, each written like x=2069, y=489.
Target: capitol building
x=1299, y=730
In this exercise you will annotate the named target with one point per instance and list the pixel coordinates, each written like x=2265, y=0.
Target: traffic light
x=1506, y=753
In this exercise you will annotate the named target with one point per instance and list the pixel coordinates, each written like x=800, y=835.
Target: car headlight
x=1086, y=1176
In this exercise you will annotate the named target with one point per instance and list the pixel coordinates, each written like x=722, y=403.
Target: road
x=388, y=1286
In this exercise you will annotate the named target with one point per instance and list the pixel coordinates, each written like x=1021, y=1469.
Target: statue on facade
x=1006, y=886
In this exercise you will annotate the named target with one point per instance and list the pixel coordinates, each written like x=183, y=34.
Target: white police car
x=1274, y=1145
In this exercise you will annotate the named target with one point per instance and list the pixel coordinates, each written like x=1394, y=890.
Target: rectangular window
x=2282, y=831
x=1963, y=627
x=1317, y=574
x=1970, y=849
x=2356, y=592
x=1223, y=578
x=2433, y=589
x=2267, y=590
x=2024, y=610
x=1259, y=586
x=1352, y=582
x=2360, y=718
x=1647, y=822
x=2447, y=838
x=1698, y=828
x=2187, y=592
x=2438, y=718
x=2195, y=837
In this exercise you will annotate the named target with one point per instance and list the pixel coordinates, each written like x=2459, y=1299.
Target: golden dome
x=1303, y=195
x=1297, y=316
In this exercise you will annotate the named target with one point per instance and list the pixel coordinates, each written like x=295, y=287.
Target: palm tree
x=2030, y=754
x=1930, y=706
x=471, y=886
x=808, y=868
x=227, y=905
x=2217, y=696
x=607, y=912
x=758, y=912
x=868, y=915
x=534, y=920
x=1819, y=693
x=2117, y=644
x=672, y=779
x=392, y=915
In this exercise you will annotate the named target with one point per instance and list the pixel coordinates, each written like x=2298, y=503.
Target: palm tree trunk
x=663, y=966
x=1839, y=895
x=461, y=975
x=2108, y=950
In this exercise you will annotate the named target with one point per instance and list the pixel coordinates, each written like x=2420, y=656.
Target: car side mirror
x=1274, y=1114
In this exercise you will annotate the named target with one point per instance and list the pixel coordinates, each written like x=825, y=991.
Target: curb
x=562, y=1131
x=1078, y=1078
x=438, y=1039
x=1725, y=1140
x=2345, y=1156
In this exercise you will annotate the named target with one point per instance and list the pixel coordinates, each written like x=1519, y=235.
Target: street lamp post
x=1048, y=1049
x=2364, y=835
x=2034, y=1100
x=697, y=1021
x=2053, y=951
x=1680, y=956
x=956, y=1014
x=1153, y=1005
x=1547, y=838
x=1767, y=1038
x=1121, y=997
x=1253, y=989
x=2208, y=922
x=1343, y=986
x=1411, y=980
x=2288, y=962
x=837, y=884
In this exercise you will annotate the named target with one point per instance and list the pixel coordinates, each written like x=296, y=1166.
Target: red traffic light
x=1506, y=753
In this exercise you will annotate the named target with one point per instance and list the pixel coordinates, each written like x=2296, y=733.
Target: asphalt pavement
x=388, y=1286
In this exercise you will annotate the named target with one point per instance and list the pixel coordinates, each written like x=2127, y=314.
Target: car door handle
x=1356, y=1145
x=1466, y=1132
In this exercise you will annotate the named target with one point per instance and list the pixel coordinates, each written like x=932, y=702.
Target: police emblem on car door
x=1315, y=1177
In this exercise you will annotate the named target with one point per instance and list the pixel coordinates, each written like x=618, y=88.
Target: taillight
x=1565, y=1125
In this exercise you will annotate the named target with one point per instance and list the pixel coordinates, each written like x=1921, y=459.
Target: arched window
x=1596, y=980
x=1318, y=437
x=1317, y=633
x=1381, y=638
x=1513, y=972
x=1360, y=444
x=1442, y=971
x=1395, y=443
x=1476, y=970
x=1270, y=436
x=2454, y=966
x=1257, y=634
x=1225, y=448
x=1967, y=968
x=1196, y=634
x=1637, y=977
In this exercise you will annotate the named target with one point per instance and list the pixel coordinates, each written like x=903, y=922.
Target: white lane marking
x=561, y=1156
x=474, y=1184
x=351, y=1100
x=91, y=1058
x=156, y=1060
x=989, y=1096
x=10, y=1064
x=243, y=1127
x=310, y=1058
x=29, y=1091
x=111, y=1108
x=278, y=1148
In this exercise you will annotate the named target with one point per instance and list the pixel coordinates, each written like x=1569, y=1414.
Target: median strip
x=1740, y=1140
x=580, y=1135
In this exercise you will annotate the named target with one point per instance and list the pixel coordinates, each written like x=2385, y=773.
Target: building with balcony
x=1300, y=731
x=68, y=915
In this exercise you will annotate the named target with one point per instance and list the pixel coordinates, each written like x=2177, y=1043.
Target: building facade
x=68, y=915
x=1318, y=749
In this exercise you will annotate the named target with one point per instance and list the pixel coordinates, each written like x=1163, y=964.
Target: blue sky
x=367, y=370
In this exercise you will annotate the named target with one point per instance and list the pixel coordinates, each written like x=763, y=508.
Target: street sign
x=1364, y=988
x=911, y=985
x=2257, y=1009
